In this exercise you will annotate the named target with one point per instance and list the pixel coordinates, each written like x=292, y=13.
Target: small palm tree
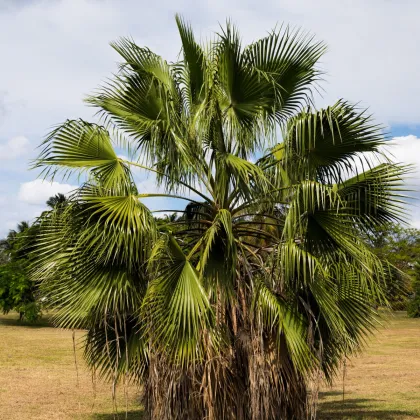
x=57, y=201
x=8, y=243
x=234, y=309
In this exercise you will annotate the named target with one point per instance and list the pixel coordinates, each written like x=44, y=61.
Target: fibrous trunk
x=248, y=380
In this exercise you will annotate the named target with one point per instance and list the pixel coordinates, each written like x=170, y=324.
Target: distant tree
x=413, y=307
x=3, y=257
x=4, y=252
x=17, y=291
x=57, y=201
x=400, y=246
x=8, y=243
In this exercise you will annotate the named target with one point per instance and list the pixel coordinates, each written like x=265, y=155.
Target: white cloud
x=402, y=150
x=39, y=191
x=13, y=148
x=371, y=58
x=406, y=149
x=14, y=211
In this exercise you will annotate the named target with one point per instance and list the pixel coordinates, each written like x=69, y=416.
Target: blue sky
x=54, y=52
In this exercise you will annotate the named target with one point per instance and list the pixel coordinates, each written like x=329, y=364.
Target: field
x=39, y=380
x=382, y=383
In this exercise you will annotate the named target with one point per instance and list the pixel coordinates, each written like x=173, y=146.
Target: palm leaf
x=81, y=146
x=179, y=310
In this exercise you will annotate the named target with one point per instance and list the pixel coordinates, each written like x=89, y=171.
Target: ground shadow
x=357, y=408
x=326, y=394
x=44, y=322
x=131, y=415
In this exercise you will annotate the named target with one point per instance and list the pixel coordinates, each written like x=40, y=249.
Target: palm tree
x=56, y=201
x=235, y=309
x=8, y=243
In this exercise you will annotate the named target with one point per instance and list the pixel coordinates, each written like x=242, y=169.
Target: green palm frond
x=192, y=72
x=178, y=307
x=377, y=195
x=287, y=59
x=285, y=321
x=261, y=85
x=146, y=103
x=78, y=146
x=328, y=143
x=118, y=227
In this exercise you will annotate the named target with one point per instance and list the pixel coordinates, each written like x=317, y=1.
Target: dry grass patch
x=384, y=381
x=38, y=378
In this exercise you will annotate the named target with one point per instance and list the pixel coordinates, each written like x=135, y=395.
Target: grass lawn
x=384, y=381
x=38, y=378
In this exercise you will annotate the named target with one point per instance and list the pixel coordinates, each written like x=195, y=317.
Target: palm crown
x=232, y=309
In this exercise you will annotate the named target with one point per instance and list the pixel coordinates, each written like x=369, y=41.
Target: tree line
x=18, y=292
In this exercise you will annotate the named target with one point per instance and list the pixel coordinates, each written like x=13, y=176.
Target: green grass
x=39, y=380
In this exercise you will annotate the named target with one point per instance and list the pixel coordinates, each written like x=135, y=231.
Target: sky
x=55, y=52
